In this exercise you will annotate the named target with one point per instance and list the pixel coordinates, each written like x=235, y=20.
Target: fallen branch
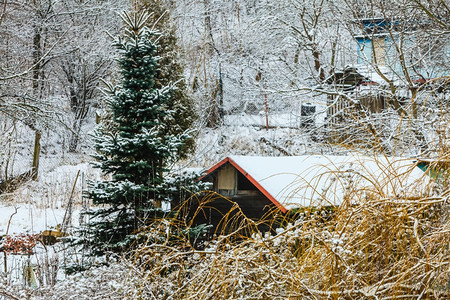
x=276, y=147
x=3, y=293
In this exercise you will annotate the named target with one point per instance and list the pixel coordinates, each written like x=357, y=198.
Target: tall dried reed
x=376, y=246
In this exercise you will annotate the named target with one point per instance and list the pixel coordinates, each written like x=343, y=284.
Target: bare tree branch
x=35, y=65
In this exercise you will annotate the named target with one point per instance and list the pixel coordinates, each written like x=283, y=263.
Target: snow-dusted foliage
x=378, y=246
x=116, y=281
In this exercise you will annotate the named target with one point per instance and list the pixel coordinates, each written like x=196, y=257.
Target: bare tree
x=56, y=55
x=83, y=61
x=400, y=48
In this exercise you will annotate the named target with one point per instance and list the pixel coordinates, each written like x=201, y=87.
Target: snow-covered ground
x=28, y=219
x=42, y=204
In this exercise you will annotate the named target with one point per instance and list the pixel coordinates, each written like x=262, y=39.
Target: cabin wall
x=374, y=103
x=232, y=187
x=255, y=206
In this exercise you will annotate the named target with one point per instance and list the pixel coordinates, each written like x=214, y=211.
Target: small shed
x=438, y=169
x=262, y=185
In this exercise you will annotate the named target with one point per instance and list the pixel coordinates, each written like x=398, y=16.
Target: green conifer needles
x=136, y=146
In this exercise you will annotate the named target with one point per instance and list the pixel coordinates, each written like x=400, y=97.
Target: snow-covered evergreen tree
x=136, y=146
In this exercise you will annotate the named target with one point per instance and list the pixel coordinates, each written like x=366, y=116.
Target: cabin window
x=226, y=181
x=244, y=186
x=244, y=183
x=231, y=182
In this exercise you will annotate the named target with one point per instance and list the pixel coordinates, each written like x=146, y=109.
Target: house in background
x=374, y=44
x=378, y=81
x=424, y=57
x=266, y=186
x=360, y=87
x=354, y=85
x=438, y=169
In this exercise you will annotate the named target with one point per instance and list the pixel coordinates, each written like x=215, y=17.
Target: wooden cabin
x=264, y=187
x=356, y=87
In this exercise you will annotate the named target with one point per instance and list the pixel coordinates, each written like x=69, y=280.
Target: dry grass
x=376, y=248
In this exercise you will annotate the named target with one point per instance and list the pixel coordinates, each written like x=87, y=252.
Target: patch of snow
x=29, y=219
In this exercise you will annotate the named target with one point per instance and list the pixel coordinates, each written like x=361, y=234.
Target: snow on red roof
x=318, y=180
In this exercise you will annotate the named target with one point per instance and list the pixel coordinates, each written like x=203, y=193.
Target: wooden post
x=67, y=220
x=221, y=112
x=267, y=107
x=6, y=234
x=84, y=201
x=37, y=150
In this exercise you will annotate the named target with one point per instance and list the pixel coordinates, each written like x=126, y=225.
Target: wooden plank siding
x=231, y=188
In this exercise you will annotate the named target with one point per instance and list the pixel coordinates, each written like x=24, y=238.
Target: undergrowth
x=373, y=248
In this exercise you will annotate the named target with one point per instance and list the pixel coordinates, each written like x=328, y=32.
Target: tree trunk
x=75, y=136
x=37, y=150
